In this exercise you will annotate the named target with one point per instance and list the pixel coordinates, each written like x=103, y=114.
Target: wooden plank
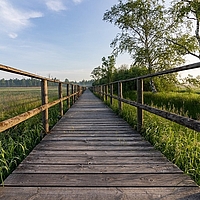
x=96, y=133
x=99, y=180
x=96, y=139
x=99, y=141
x=114, y=169
x=81, y=168
x=88, y=143
x=92, y=136
x=92, y=148
x=150, y=153
x=88, y=160
x=92, y=128
x=91, y=193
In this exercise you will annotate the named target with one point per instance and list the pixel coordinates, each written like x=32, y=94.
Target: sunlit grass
x=178, y=143
x=17, y=142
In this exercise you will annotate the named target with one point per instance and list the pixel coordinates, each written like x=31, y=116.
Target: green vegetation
x=182, y=103
x=17, y=142
x=14, y=101
x=17, y=100
x=179, y=144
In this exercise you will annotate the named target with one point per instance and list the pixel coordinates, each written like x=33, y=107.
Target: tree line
x=156, y=37
x=31, y=82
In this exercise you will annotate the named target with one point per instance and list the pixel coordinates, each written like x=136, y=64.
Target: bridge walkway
x=93, y=154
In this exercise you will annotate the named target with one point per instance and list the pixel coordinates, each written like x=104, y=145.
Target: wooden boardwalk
x=93, y=154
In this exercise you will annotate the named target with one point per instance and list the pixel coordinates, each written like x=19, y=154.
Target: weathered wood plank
x=90, y=128
x=92, y=137
x=91, y=148
x=87, y=160
x=95, y=133
x=150, y=153
x=85, y=142
x=99, y=180
x=114, y=169
x=100, y=193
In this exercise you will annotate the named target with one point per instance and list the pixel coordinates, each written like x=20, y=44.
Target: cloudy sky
x=56, y=38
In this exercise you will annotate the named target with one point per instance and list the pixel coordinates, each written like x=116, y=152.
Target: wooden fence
x=72, y=93
x=106, y=91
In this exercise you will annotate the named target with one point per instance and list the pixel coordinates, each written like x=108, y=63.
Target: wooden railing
x=72, y=93
x=106, y=91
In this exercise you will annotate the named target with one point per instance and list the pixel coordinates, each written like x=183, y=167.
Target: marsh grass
x=178, y=143
x=182, y=103
x=17, y=142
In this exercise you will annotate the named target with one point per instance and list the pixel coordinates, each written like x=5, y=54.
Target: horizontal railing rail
x=106, y=91
x=73, y=92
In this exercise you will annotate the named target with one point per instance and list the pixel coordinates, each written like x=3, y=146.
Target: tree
x=104, y=73
x=96, y=74
x=66, y=80
x=185, y=15
x=144, y=29
x=108, y=66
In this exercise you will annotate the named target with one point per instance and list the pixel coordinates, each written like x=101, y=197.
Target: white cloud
x=77, y=1
x=13, y=20
x=55, y=5
x=13, y=35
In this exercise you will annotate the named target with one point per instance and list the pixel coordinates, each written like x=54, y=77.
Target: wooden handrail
x=76, y=91
x=187, y=122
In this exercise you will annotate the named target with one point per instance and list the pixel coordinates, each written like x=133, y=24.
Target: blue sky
x=56, y=38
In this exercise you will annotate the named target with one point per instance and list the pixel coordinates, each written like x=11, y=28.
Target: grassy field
x=18, y=141
x=182, y=103
x=178, y=143
x=16, y=100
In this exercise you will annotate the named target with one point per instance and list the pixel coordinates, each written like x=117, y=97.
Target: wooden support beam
x=141, y=101
x=68, y=93
x=120, y=96
x=60, y=97
x=45, y=113
x=111, y=94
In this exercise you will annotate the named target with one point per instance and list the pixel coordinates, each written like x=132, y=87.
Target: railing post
x=45, y=113
x=60, y=97
x=140, y=100
x=111, y=94
x=106, y=91
x=79, y=91
x=101, y=91
x=120, y=96
x=68, y=94
x=72, y=92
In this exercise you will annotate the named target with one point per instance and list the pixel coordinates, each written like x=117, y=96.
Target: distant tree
x=96, y=74
x=66, y=80
x=103, y=74
x=144, y=28
x=19, y=83
x=108, y=66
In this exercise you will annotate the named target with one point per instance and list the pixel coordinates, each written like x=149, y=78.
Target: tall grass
x=17, y=142
x=183, y=103
x=178, y=143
